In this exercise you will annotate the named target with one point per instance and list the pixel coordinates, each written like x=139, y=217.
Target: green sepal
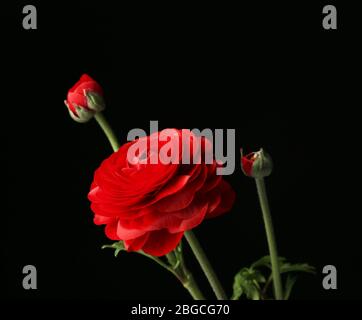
x=118, y=246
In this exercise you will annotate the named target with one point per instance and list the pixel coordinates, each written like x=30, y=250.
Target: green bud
x=257, y=164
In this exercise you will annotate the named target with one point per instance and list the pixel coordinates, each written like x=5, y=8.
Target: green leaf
x=297, y=267
x=246, y=282
x=266, y=262
x=284, y=266
x=289, y=285
x=118, y=246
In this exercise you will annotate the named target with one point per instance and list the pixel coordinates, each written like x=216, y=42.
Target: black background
x=269, y=70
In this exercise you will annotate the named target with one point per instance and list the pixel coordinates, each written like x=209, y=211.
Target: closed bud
x=85, y=99
x=256, y=164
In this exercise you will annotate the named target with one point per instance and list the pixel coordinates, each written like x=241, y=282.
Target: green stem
x=184, y=276
x=162, y=264
x=103, y=123
x=205, y=265
x=278, y=290
x=189, y=283
x=267, y=284
x=192, y=287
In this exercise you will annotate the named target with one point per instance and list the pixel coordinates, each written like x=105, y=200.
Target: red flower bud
x=256, y=164
x=85, y=99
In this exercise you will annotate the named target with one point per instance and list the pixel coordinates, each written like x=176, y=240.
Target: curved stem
x=103, y=123
x=190, y=283
x=263, y=199
x=205, y=265
x=186, y=277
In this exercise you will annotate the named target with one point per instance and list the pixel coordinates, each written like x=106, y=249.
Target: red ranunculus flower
x=149, y=206
x=84, y=99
